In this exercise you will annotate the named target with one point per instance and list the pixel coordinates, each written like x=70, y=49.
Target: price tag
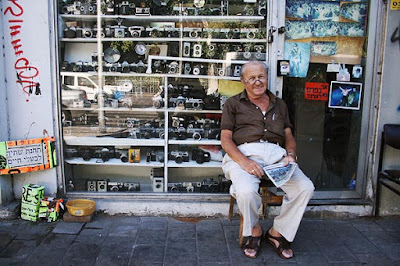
x=395, y=5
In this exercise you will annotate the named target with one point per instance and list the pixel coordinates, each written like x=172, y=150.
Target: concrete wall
x=27, y=28
x=389, y=107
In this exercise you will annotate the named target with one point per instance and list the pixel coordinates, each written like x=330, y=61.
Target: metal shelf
x=110, y=141
x=212, y=164
x=112, y=162
x=147, y=39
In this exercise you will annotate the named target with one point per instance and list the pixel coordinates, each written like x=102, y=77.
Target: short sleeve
x=228, y=117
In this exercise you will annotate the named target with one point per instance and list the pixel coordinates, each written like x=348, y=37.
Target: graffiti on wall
x=26, y=73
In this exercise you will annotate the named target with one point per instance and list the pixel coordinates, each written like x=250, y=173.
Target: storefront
x=133, y=92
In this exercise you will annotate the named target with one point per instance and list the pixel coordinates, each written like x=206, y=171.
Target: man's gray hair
x=255, y=62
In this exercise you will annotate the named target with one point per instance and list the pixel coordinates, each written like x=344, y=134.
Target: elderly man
x=256, y=132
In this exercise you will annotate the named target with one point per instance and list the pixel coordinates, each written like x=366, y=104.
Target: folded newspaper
x=278, y=173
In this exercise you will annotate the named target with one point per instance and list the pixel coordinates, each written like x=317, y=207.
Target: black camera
x=199, y=69
x=171, y=32
x=141, y=67
x=200, y=156
x=179, y=156
x=192, y=32
x=154, y=32
x=159, y=66
x=85, y=8
x=208, y=185
x=70, y=32
x=212, y=102
x=125, y=8
x=161, y=7
x=122, y=154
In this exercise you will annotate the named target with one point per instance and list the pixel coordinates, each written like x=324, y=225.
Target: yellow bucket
x=80, y=207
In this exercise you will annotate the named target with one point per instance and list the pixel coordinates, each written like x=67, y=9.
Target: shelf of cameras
x=114, y=156
x=166, y=34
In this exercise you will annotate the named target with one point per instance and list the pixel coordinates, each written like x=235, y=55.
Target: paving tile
x=215, y=264
x=148, y=237
x=180, y=252
x=212, y=250
x=359, y=245
x=147, y=255
x=34, y=231
x=391, y=251
x=5, y=239
x=366, y=225
x=112, y=258
x=100, y=222
x=379, y=238
x=339, y=254
x=118, y=244
x=81, y=254
x=374, y=259
x=123, y=230
x=129, y=220
x=154, y=222
x=18, y=249
x=68, y=228
x=311, y=259
x=96, y=236
x=391, y=224
x=54, y=244
x=182, y=231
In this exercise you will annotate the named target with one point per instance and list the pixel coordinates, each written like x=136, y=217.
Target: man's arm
x=232, y=150
x=290, y=146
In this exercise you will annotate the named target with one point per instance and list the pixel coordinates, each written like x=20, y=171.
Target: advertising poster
x=299, y=56
x=345, y=95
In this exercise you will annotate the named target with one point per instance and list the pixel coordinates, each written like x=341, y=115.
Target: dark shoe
x=283, y=244
x=255, y=244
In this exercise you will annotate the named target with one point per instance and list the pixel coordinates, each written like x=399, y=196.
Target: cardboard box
x=29, y=217
x=32, y=194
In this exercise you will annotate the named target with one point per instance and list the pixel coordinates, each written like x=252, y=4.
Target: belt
x=265, y=141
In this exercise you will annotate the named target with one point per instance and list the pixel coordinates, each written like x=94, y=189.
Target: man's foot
x=253, y=245
x=280, y=244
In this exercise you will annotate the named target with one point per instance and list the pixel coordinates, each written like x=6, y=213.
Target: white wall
x=30, y=113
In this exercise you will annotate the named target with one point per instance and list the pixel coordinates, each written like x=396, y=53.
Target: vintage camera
x=123, y=155
x=104, y=154
x=87, y=32
x=197, y=50
x=210, y=50
x=102, y=185
x=259, y=51
x=262, y=8
x=149, y=132
x=237, y=47
x=66, y=66
x=125, y=8
x=177, y=102
x=200, y=156
x=221, y=72
x=156, y=172
x=208, y=185
x=154, y=32
x=115, y=186
x=119, y=31
x=249, y=10
x=161, y=7
x=192, y=32
x=158, y=101
x=70, y=32
x=171, y=32
x=199, y=69
x=173, y=68
x=136, y=31
x=87, y=8
x=195, y=133
x=109, y=31
x=86, y=153
x=236, y=70
x=194, y=104
x=141, y=67
x=212, y=102
x=179, y=156
x=131, y=186
x=223, y=100
x=188, y=11
x=91, y=185
x=186, y=49
x=249, y=34
x=151, y=155
x=159, y=66
x=71, y=152
x=158, y=184
x=208, y=33
x=187, y=69
x=142, y=10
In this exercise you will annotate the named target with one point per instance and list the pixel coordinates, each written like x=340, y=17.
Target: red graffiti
x=25, y=71
x=20, y=9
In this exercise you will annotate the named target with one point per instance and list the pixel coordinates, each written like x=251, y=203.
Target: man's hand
x=251, y=167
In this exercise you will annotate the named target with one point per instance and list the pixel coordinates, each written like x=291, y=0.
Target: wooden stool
x=267, y=197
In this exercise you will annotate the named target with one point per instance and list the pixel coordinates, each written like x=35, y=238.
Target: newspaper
x=278, y=173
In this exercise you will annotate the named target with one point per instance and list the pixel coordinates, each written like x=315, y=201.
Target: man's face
x=255, y=80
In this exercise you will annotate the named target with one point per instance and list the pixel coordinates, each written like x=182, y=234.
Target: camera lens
x=196, y=136
x=199, y=159
x=178, y=159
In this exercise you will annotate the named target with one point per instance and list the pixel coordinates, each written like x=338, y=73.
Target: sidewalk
x=123, y=240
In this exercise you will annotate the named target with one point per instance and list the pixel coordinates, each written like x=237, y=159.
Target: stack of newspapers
x=278, y=173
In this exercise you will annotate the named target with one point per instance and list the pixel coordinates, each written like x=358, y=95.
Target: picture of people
x=345, y=95
x=315, y=10
x=299, y=56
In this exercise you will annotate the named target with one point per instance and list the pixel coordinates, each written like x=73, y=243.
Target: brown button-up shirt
x=249, y=124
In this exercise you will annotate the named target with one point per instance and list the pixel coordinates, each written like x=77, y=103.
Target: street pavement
x=130, y=240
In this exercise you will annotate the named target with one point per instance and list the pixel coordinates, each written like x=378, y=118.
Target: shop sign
x=28, y=155
x=395, y=5
x=316, y=91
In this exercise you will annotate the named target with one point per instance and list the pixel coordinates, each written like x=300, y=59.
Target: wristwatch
x=293, y=155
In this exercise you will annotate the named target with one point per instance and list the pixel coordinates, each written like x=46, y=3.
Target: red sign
x=316, y=91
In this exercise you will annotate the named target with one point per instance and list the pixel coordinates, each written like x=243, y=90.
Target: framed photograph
x=345, y=95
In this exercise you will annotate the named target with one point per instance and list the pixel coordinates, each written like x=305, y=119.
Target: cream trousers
x=298, y=190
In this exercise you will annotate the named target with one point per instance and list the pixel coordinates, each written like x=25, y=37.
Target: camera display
x=207, y=185
x=179, y=156
x=112, y=186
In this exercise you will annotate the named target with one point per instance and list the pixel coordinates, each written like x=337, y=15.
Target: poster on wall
x=299, y=56
x=312, y=10
x=323, y=48
x=345, y=95
x=317, y=91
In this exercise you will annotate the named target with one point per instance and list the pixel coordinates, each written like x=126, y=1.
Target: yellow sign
x=395, y=5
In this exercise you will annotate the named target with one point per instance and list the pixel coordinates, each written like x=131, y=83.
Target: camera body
x=136, y=31
x=201, y=156
x=212, y=102
x=125, y=8
x=194, y=104
x=179, y=156
x=195, y=133
x=123, y=186
x=249, y=33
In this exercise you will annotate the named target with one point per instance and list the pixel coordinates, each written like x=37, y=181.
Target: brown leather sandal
x=255, y=244
x=283, y=244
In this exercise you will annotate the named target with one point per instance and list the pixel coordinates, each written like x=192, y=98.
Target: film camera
x=200, y=156
x=124, y=8
x=136, y=31
x=212, y=102
x=248, y=33
x=179, y=156
x=194, y=104
x=102, y=153
x=123, y=186
x=79, y=8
